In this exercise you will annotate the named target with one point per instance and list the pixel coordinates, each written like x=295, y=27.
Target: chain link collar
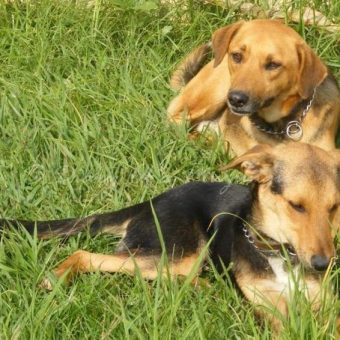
x=270, y=247
x=293, y=129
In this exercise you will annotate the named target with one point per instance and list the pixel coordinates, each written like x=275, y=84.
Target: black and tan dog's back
x=286, y=215
x=188, y=217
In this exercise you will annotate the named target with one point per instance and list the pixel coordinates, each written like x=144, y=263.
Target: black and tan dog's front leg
x=269, y=300
x=129, y=263
x=271, y=297
x=85, y=262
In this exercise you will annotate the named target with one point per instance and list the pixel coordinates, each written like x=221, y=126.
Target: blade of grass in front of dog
x=163, y=268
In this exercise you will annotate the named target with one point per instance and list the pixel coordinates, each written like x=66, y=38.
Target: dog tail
x=190, y=66
x=112, y=222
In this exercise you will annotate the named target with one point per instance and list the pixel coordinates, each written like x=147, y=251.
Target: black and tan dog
x=264, y=85
x=290, y=208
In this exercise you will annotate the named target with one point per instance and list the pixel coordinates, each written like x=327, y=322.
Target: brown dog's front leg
x=203, y=98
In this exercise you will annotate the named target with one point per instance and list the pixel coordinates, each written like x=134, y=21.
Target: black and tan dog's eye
x=272, y=65
x=296, y=206
x=333, y=208
x=237, y=57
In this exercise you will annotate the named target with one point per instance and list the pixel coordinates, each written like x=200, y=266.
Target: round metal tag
x=294, y=130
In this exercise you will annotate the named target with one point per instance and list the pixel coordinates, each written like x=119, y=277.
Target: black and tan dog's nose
x=320, y=262
x=237, y=98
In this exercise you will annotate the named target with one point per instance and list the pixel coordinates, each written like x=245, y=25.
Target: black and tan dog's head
x=271, y=67
x=298, y=197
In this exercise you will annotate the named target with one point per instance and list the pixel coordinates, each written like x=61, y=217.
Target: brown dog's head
x=298, y=197
x=271, y=67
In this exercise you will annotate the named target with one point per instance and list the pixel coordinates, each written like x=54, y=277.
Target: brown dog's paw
x=46, y=284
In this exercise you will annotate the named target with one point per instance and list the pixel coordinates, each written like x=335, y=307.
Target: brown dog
x=264, y=85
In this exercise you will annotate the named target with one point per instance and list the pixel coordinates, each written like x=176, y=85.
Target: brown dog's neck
x=279, y=128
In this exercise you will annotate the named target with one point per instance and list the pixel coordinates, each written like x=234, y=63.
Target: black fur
x=188, y=216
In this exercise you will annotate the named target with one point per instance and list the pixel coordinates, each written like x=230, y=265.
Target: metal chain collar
x=293, y=129
x=267, y=252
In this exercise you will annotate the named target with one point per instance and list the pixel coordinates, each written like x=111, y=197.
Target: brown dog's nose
x=237, y=98
x=320, y=262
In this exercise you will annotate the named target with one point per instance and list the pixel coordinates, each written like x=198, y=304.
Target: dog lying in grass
x=264, y=84
x=264, y=232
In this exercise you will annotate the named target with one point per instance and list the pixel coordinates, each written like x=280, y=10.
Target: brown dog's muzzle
x=241, y=103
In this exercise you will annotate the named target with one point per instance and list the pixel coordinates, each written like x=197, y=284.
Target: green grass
x=83, y=129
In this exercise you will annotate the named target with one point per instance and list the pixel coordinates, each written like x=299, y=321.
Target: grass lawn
x=83, y=129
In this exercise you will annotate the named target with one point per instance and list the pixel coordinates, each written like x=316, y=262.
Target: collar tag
x=294, y=130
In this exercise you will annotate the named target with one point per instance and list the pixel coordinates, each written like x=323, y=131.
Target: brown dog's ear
x=221, y=40
x=257, y=163
x=312, y=70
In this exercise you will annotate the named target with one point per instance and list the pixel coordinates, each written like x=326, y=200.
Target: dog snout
x=320, y=262
x=238, y=99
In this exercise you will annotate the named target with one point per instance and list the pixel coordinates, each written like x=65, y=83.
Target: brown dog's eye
x=334, y=207
x=298, y=207
x=237, y=57
x=272, y=65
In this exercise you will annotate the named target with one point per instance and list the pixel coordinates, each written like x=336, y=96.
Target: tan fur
x=275, y=292
x=309, y=232
x=197, y=56
x=260, y=41
x=119, y=230
x=194, y=106
x=309, y=177
x=148, y=266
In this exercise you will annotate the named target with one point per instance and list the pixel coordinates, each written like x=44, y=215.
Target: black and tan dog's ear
x=257, y=163
x=335, y=154
x=221, y=40
x=312, y=71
